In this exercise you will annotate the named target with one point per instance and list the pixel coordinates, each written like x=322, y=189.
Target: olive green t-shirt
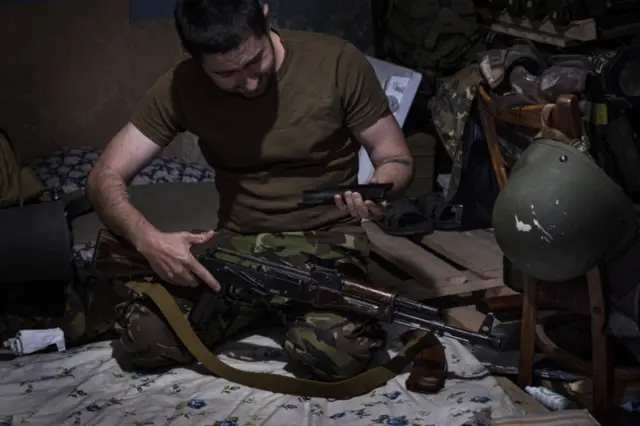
x=266, y=151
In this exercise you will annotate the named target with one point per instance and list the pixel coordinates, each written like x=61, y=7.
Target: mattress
x=86, y=386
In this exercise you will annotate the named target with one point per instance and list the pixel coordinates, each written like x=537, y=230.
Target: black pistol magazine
x=375, y=192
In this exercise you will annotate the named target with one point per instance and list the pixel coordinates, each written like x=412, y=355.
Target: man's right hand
x=169, y=255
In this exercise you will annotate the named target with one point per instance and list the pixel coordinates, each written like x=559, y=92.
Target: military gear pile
x=450, y=111
x=539, y=217
x=433, y=37
x=514, y=77
x=519, y=76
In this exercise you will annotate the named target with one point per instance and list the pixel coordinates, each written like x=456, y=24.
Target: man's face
x=245, y=70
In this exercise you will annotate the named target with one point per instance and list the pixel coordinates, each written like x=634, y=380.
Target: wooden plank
x=500, y=291
x=487, y=239
x=466, y=250
x=433, y=277
x=545, y=31
x=383, y=279
x=465, y=317
x=453, y=289
x=421, y=291
x=520, y=397
x=413, y=259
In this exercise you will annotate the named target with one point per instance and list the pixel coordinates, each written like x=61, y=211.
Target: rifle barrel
x=432, y=325
x=402, y=304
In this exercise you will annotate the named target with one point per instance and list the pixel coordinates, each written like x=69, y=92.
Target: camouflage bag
x=451, y=111
x=433, y=37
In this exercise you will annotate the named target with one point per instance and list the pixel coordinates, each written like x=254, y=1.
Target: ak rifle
x=316, y=285
x=325, y=288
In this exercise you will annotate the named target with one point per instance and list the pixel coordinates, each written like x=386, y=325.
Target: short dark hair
x=208, y=27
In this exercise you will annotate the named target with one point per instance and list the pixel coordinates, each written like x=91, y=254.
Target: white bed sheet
x=86, y=386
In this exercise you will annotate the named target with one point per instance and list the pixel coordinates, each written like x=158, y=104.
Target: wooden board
x=500, y=291
x=545, y=31
x=437, y=266
x=520, y=397
x=474, y=252
x=575, y=32
x=417, y=262
x=465, y=317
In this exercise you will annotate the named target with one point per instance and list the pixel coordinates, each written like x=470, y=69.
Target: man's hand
x=169, y=255
x=353, y=204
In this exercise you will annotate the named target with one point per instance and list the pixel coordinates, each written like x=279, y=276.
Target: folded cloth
x=29, y=341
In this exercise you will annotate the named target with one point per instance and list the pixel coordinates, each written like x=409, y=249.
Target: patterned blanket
x=86, y=386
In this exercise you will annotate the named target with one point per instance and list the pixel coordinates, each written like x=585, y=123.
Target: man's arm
x=389, y=154
x=367, y=115
x=125, y=156
x=154, y=124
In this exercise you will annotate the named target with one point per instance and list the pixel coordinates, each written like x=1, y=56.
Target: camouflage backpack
x=433, y=37
x=16, y=185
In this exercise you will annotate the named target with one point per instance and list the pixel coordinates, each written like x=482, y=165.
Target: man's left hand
x=353, y=204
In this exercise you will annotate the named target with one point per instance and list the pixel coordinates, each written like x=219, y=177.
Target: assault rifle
x=325, y=288
x=320, y=286
x=316, y=285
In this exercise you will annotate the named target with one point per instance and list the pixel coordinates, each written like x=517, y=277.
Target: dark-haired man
x=276, y=113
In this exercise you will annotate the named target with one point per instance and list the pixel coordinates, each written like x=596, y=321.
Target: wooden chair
x=565, y=117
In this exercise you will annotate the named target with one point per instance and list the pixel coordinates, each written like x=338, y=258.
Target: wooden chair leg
x=602, y=359
x=528, y=330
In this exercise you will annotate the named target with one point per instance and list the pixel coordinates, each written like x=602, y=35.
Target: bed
x=86, y=386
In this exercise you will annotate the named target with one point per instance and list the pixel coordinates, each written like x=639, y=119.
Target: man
x=276, y=113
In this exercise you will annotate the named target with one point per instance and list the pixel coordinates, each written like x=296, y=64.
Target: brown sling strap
x=355, y=386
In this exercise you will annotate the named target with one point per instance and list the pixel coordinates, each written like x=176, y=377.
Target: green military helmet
x=560, y=215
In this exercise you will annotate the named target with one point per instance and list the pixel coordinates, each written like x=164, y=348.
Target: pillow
x=67, y=170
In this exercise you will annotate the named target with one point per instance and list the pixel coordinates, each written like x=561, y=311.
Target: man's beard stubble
x=265, y=80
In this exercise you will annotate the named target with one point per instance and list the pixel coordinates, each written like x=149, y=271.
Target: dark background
x=71, y=71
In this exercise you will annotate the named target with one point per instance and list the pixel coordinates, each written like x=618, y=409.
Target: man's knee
x=146, y=339
x=331, y=346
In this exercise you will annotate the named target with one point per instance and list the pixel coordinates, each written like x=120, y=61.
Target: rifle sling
x=355, y=386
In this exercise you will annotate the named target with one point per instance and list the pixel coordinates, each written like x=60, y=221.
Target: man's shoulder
x=184, y=71
x=313, y=41
x=180, y=80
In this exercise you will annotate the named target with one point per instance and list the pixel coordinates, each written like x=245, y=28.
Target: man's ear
x=265, y=10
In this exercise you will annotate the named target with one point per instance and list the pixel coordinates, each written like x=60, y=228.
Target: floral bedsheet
x=86, y=386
